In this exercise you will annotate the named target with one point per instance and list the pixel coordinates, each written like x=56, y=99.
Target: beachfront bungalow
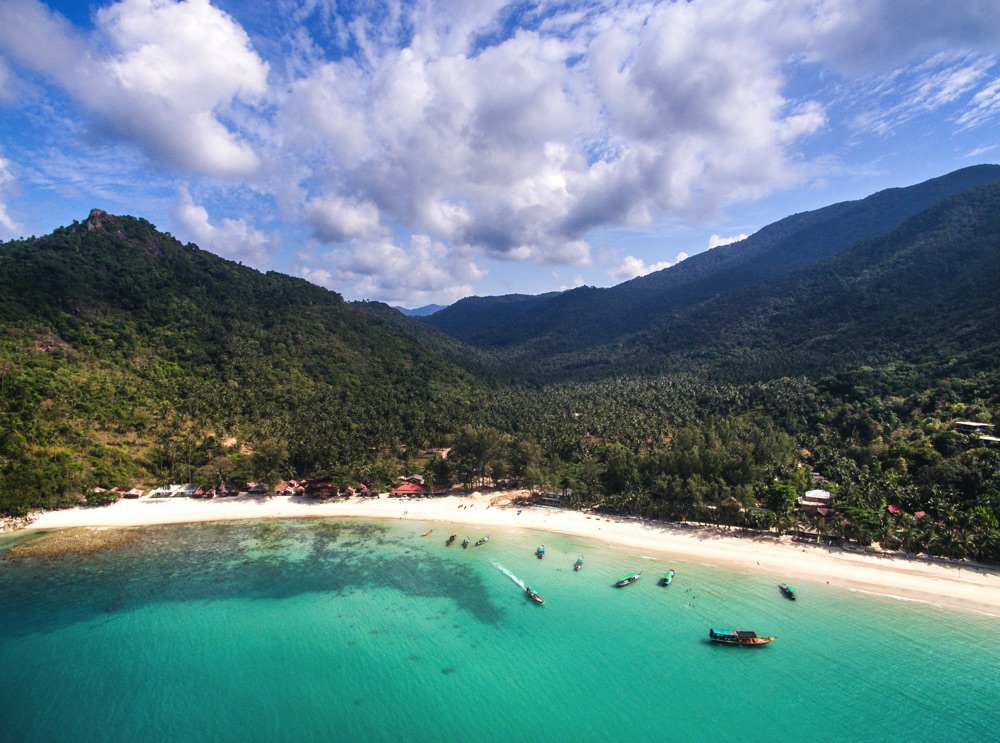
x=559, y=500
x=409, y=489
x=133, y=493
x=256, y=488
x=323, y=489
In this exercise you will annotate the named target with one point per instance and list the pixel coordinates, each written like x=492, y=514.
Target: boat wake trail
x=509, y=574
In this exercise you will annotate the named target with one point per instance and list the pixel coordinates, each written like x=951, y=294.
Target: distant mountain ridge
x=590, y=318
x=427, y=309
x=926, y=291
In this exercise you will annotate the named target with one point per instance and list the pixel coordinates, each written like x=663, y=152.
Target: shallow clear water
x=363, y=630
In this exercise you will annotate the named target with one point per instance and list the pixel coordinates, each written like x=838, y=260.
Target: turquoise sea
x=363, y=630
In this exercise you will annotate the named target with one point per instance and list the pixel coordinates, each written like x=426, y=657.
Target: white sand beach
x=957, y=585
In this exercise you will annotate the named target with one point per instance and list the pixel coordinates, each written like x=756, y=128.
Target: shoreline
x=948, y=584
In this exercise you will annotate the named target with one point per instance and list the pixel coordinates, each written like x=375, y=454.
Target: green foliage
x=127, y=358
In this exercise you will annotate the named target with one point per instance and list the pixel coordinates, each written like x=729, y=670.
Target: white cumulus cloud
x=632, y=267
x=158, y=73
x=235, y=239
x=716, y=240
x=9, y=228
x=380, y=269
x=415, y=142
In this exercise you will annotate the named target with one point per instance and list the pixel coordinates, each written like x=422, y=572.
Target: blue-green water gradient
x=359, y=630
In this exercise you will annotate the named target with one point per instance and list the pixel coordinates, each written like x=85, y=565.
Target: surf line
x=509, y=574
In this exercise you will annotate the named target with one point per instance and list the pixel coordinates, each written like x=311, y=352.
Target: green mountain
x=583, y=327
x=126, y=356
x=926, y=292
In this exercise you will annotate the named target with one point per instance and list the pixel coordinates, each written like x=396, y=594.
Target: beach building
x=322, y=489
x=409, y=489
x=559, y=500
x=815, y=498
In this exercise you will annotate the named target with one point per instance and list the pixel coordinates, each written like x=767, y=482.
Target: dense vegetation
x=126, y=357
x=594, y=331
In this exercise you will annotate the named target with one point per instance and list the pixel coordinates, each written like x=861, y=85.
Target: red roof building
x=409, y=488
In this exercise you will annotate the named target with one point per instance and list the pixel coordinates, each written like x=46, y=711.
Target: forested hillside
x=127, y=356
x=584, y=327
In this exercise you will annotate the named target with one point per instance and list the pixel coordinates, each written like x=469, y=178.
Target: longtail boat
x=465, y=543
x=787, y=590
x=628, y=579
x=483, y=540
x=540, y=552
x=451, y=540
x=534, y=596
x=579, y=563
x=737, y=637
x=669, y=577
x=426, y=532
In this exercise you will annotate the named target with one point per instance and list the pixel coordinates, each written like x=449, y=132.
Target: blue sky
x=419, y=152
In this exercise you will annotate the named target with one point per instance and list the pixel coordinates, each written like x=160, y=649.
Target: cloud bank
x=414, y=143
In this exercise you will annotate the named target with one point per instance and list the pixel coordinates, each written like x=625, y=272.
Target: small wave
x=509, y=574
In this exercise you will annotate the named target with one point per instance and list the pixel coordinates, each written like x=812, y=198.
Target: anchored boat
x=579, y=563
x=737, y=637
x=669, y=577
x=628, y=579
x=451, y=540
x=465, y=543
x=787, y=590
x=540, y=552
x=483, y=540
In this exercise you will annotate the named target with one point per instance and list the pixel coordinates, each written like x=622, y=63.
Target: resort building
x=407, y=489
x=815, y=498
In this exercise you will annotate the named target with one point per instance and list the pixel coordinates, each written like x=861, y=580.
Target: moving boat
x=540, y=552
x=628, y=579
x=787, y=590
x=451, y=540
x=534, y=596
x=578, y=564
x=669, y=577
x=737, y=637
x=465, y=543
x=483, y=540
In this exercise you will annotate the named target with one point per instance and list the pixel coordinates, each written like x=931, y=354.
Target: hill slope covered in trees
x=127, y=356
x=579, y=331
